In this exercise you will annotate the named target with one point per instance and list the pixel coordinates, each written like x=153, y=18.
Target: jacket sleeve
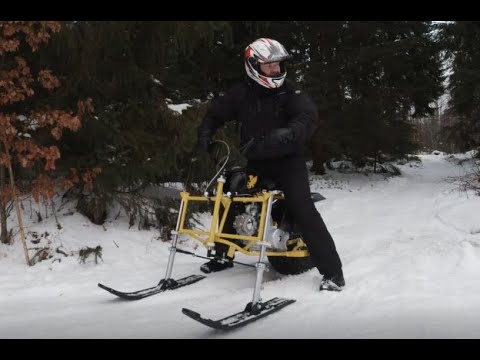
x=303, y=116
x=302, y=123
x=220, y=111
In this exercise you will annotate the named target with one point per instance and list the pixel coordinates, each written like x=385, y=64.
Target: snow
x=410, y=247
x=178, y=107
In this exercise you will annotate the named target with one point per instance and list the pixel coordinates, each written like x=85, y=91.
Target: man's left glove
x=278, y=142
x=279, y=136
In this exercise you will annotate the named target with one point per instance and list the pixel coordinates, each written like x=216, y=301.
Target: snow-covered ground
x=410, y=246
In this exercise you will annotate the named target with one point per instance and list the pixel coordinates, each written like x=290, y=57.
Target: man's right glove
x=204, y=144
x=202, y=148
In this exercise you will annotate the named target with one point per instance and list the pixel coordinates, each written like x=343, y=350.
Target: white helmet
x=263, y=51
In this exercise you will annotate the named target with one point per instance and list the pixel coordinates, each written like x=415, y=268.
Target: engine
x=278, y=238
x=248, y=222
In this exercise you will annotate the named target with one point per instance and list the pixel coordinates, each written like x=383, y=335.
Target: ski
x=243, y=317
x=169, y=284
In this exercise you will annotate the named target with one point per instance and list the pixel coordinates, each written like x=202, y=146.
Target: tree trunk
x=4, y=236
x=318, y=168
x=319, y=158
x=17, y=208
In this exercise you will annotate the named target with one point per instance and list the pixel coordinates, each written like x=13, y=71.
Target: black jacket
x=274, y=122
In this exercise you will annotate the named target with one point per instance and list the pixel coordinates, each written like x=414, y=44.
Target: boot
x=332, y=283
x=215, y=265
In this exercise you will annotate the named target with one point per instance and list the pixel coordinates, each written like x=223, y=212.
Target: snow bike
x=254, y=209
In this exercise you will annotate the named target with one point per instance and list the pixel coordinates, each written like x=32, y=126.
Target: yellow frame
x=216, y=235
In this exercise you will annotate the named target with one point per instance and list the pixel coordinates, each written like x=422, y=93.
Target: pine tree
x=130, y=69
x=462, y=42
x=368, y=79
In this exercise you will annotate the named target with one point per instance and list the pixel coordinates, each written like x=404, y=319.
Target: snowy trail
x=410, y=246
x=397, y=249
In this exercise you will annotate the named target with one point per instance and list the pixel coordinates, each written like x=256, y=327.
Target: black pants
x=292, y=176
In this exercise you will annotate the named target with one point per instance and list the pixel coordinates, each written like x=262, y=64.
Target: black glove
x=202, y=148
x=277, y=143
x=204, y=144
x=279, y=136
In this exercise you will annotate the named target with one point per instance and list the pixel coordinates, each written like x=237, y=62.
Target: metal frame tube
x=260, y=265
x=173, y=248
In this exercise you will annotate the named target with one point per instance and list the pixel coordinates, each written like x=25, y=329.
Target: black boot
x=334, y=282
x=216, y=265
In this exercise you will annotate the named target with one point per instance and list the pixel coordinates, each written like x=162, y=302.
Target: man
x=276, y=120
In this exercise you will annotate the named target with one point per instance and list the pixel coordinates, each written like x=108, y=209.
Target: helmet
x=263, y=51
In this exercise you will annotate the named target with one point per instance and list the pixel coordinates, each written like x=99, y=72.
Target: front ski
x=169, y=284
x=242, y=318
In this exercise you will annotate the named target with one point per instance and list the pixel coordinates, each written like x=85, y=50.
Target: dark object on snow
x=84, y=253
